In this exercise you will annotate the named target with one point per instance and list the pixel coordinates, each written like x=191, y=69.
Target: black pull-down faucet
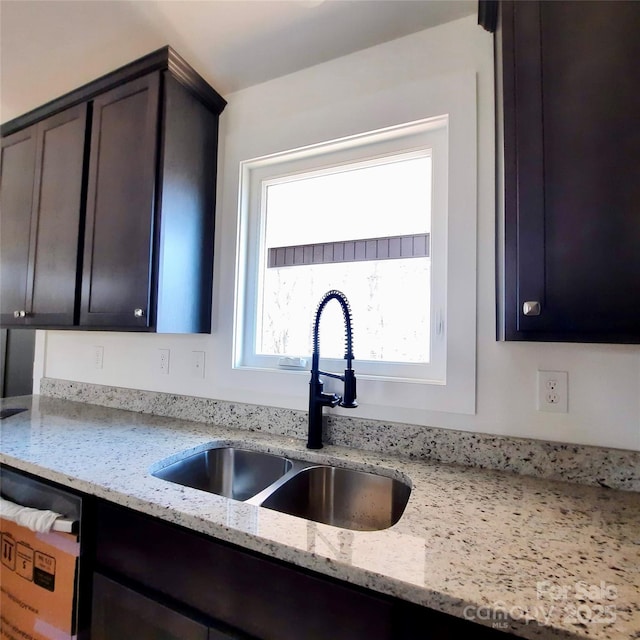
x=317, y=398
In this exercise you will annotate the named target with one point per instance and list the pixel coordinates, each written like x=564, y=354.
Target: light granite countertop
x=537, y=558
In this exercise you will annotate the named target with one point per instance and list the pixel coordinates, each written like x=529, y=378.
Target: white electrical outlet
x=163, y=361
x=98, y=356
x=553, y=388
x=197, y=364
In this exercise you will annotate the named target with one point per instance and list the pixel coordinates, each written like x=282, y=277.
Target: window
x=366, y=215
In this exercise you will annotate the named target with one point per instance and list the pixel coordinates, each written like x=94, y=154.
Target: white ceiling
x=49, y=47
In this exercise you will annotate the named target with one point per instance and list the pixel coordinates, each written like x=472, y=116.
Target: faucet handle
x=330, y=399
x=349, y=399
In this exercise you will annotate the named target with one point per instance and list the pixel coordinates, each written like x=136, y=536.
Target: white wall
x=604, y=380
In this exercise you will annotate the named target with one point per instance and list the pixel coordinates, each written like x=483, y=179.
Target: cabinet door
x=17, y=167
x=53, y=281
x=572, y=187
x=42, y=194
x=117, y=270
x=119, y=612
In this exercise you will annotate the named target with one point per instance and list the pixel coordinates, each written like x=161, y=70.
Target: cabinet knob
x=138, y=313
x=531, y=308
x=20, y=314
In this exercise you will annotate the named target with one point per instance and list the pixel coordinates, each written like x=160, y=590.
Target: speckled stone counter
x=599, y=466
x=538, y=558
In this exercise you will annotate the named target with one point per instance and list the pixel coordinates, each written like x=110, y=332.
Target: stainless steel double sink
x=342, y=497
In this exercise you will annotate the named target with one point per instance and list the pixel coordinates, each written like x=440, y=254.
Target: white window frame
x=416, y=139
x=359, y=108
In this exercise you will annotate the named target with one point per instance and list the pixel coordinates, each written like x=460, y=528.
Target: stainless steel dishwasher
x=40, y=570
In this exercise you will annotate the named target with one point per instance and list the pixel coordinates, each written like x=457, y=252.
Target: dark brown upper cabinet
x=41, y=199
x=571, y=97
x=139, y=255
x=116, y=277
x=16, y=197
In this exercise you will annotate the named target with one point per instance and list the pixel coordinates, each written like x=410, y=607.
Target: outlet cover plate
x=553, y=391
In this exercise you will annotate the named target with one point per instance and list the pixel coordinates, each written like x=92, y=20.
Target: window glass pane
x=390, y=300
x=349, y=203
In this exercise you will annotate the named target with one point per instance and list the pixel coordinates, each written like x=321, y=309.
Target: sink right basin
x=344, y=498
x=227, y=471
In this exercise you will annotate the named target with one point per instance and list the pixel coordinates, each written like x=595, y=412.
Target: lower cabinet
x=159, y=581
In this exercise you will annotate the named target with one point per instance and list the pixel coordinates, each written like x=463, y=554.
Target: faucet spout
x=317, y=398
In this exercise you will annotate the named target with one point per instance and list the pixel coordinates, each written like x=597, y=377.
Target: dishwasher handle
x=38, y=520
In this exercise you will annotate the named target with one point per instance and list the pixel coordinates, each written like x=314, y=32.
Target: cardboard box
x=38, y=581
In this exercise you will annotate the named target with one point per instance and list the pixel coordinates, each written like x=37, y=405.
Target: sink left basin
x=227, y=471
